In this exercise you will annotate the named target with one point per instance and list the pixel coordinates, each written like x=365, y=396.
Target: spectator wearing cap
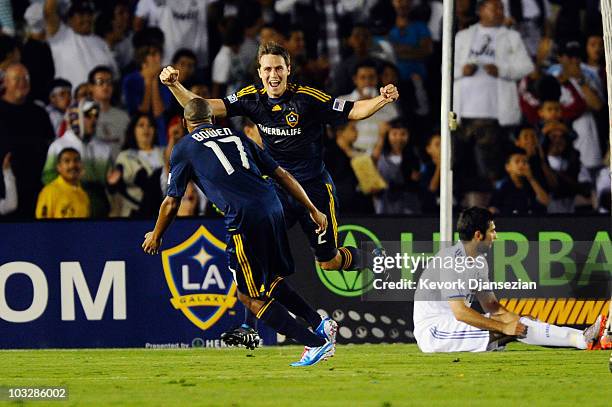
x=112, y=121
x=64, y=197
x=36, y=53
x=26, y=134
x=81, y=120
x=75, y=41
x=60, y=97
x=570, y=74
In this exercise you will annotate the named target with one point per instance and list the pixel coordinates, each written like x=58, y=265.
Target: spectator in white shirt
x=76, y=50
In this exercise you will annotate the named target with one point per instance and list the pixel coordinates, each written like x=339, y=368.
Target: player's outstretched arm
x=167, y=212
x=169, y=77
x=291, y=185
x=362, y=109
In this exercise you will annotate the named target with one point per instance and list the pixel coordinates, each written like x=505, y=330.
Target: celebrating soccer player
x=291, y=120
x=229, y=168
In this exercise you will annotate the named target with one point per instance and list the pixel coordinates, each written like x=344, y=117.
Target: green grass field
x=359, y=375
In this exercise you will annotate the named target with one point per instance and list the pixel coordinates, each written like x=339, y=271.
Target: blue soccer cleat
x=312, y=356
x=328, y=328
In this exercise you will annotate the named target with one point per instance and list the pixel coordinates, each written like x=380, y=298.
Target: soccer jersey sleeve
x=264, y=161
x=240, y=103
x=330, y=110
x=180, y=173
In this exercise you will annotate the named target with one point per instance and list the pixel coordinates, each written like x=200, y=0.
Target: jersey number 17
x=229, y=168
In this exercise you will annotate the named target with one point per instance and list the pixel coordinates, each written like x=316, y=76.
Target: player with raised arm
x=290, y=119
x=230, y=169
x=444, y=320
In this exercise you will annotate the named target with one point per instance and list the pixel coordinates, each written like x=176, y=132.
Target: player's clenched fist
x=169, y=75
x=390, y=93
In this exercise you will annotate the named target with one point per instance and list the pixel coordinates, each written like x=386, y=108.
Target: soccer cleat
x=328, y=328
x=243, y=335
x=312, y=356
x=593, y=334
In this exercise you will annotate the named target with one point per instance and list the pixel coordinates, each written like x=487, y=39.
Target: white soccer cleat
x=312, y=356
x=592, y=333
x=328, y=328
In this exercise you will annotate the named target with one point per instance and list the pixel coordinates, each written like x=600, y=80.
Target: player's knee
x=333, y=264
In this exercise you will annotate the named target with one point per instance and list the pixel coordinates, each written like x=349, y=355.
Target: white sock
x=540, y=333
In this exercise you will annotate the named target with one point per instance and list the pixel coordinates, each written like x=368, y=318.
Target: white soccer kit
x=435, y=326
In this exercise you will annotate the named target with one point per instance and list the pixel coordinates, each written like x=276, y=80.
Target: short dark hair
x=514, y=150
x=98, y=69
x=272, y=48
x=184, y=53
x=148, y=36
x=366, y=63
x=472, y=220
x=197, y=110
x=140, y=54
x=67, y=150
x=130, y=137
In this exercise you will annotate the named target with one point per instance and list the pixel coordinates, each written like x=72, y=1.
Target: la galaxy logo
x=193, y=273
x=292, y=119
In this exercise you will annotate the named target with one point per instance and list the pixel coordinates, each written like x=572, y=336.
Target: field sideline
x=359, y=375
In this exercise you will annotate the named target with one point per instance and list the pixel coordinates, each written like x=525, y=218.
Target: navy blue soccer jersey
x=229, y=168
x=292, y=126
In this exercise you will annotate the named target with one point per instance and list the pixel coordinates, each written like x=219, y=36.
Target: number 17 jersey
x=229, y=168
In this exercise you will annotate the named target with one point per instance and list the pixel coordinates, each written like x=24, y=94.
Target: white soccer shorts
x=446, y=334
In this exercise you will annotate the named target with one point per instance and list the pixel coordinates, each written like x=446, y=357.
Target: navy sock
x=283, y=293
x=249, y=319
x=277, y=317
x=351, y=258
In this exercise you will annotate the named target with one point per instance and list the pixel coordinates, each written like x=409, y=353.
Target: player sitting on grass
x=444, y=321
x=229, y=169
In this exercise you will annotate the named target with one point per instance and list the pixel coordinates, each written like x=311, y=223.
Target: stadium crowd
x=86, y=127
